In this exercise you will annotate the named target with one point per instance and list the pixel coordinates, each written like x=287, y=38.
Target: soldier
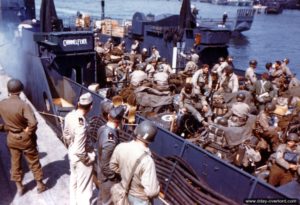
x=265, y=128
x=202, y=80
x=286, y=162
x=137, y=77
x=229, y=81
x=105, y=107
x=21, y=124
x=278, y=77
x=144, y=184
x=80, y=154
x=107, y=141
x=135, y=47
x=188, y=102
x=263, y=91
x=191, y=57
x=250, y=75
x=189, y=69
x=239, y=112
x=154, y=55
x=219, y=68
x=286, y=70
x=165, y=67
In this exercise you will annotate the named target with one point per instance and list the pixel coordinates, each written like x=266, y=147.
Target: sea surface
x=272, y=37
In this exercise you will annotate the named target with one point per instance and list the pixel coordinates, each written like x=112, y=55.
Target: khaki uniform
x=144, y=184
x=18, y=117
x=220, y=68
x=280, y=173
x=265, y=130
x=250, y=76
x=201, y=77
x=231, y=82
x=81, y=186
x=137, y=77
x=161, y=81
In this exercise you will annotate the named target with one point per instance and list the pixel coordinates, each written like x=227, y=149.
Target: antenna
x=102, y=9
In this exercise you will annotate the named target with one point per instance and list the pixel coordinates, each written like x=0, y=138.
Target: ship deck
x=54, y=162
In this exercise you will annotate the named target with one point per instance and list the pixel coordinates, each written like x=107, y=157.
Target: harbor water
x=272, y=37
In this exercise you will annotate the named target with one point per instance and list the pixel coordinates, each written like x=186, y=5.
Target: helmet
x=293, y=137
x=221, y=59
x=105, y=107
x=253, y=62
x=223, y=121
x=117, y=113
x=240, y=97
x=146, y=131
x=270, y=107
x=268, y=65
x=14, y=86
x=144, y=50
x=228, y=69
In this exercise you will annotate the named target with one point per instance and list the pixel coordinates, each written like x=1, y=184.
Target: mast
x=102, y=9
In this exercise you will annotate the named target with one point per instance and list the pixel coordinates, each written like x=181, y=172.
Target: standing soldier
x=107, y=141
x=80, y=155
x=21, y=125
x=144, y=184
x=286, y=161
x=263, y=90
x=250, y=75
x=229, y=82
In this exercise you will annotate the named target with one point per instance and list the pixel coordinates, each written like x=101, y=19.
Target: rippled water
x=272, y=37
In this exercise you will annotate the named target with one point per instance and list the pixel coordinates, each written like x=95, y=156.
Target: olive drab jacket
x=19, y=121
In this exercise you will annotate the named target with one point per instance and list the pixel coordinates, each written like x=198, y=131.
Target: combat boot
x=20, y=188
x=41, y=187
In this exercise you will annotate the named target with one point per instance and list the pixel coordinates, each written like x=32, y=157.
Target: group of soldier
x=202, y=91
x=128, y=165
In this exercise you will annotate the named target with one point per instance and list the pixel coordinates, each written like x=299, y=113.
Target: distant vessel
x=219, y=2
x=240, y=2
x=273, y=7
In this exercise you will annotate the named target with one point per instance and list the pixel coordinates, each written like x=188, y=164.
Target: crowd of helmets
x=213, y=94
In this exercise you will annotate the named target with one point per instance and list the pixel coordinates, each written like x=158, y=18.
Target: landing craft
x=57, y=67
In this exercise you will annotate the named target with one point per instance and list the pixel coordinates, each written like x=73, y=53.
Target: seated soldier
x=161, y=81
x=188, y=102
x=239, y=112
x=265, y=128
x=163, y=66
x=137, y=77
x=150, y=69
x=123, y=69
x=189, y=69
x=286, y=162
x=202, y=80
